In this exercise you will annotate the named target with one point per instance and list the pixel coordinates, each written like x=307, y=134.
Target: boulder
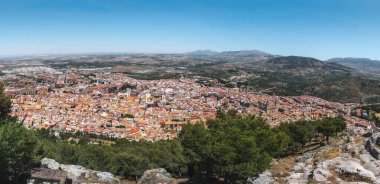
x=156, y=176
x=370, y=163
x=78, y=173
x=264, y=178
x=300, y=167
x=321, y=173
x=298, y=178
x=50, y=163
x=105, y=177
x=350, y=167
x=372, y=149
x=376, y=138
x=75, y=171
x=343, y=166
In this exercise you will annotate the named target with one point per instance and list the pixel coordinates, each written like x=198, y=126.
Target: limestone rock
x=75, y=171
x=79, y=173
x=344, y=166
x=105, y=177
x=264, y=178
x=354, y=168
x=156, y=176
x=372, y=149
x=300, y=167
x=49, y=163
x=321, y=173
x=376, y=138
x=370, y=163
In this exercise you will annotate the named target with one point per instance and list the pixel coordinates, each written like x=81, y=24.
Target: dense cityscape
x=116, y=105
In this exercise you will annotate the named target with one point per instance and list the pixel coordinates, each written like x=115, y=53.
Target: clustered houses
x=156, y=109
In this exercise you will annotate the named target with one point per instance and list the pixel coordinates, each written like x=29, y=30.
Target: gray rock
x=49, y=163
x=105, y=177
x=352, y=167
x=370, y=163
x=321, y=172
x=76, y=172
x=376, y=138
x=349, y=166
x=372, y=149
x=300, y=167
x=264, y=178
x=156, y=176
x=298, y=178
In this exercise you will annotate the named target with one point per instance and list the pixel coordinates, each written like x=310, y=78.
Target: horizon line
x=16, y=56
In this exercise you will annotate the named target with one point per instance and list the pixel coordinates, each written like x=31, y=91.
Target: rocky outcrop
x=75, y=171
x=354, y=159
x=376, y=138
x=79, y=174
x=264, y=178
x=343, y=168
x=155, y=176
x=372, y=149
x=50, y=163
x=372, y=145
x=300, y=173
x=105, y=177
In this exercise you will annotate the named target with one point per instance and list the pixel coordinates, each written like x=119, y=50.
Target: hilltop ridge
x=252, y=69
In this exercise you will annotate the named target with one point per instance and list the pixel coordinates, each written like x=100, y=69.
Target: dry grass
x=281, y=181
x=280, y=170
x=283, y=165
x=358, y=139
x=334, y=175
x=128, y=182
x=316, y=159
x=354, y=178
x=312, y=181
x=332, y=179
x=346, y=177
x=333, y=153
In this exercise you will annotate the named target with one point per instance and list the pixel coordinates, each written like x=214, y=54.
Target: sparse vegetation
x=127, y=116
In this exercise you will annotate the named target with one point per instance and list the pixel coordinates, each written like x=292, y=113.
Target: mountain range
x=337, y=79
x=364, y=66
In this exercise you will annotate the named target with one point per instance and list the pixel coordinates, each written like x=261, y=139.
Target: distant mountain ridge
x=352, y=59
x=296, y=61
x=296, y=75
x=203, y=52
x=300, y=65
x=233, y=56
x=228, y=53
x=338, y=79
x=364, y=66
x=244, y=53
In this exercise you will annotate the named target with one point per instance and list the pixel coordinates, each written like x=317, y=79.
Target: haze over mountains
x=365, y=66
x=228, y=53
x=338, y=79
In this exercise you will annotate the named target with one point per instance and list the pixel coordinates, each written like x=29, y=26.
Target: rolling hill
x=363, y=66
x=341, y=80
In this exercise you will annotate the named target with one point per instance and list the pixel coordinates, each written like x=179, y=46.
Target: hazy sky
x=315, y=28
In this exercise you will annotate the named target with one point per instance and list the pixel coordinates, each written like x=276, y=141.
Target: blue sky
x=315, y=28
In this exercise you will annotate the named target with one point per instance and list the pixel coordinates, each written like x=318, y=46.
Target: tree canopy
x=17, y=150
